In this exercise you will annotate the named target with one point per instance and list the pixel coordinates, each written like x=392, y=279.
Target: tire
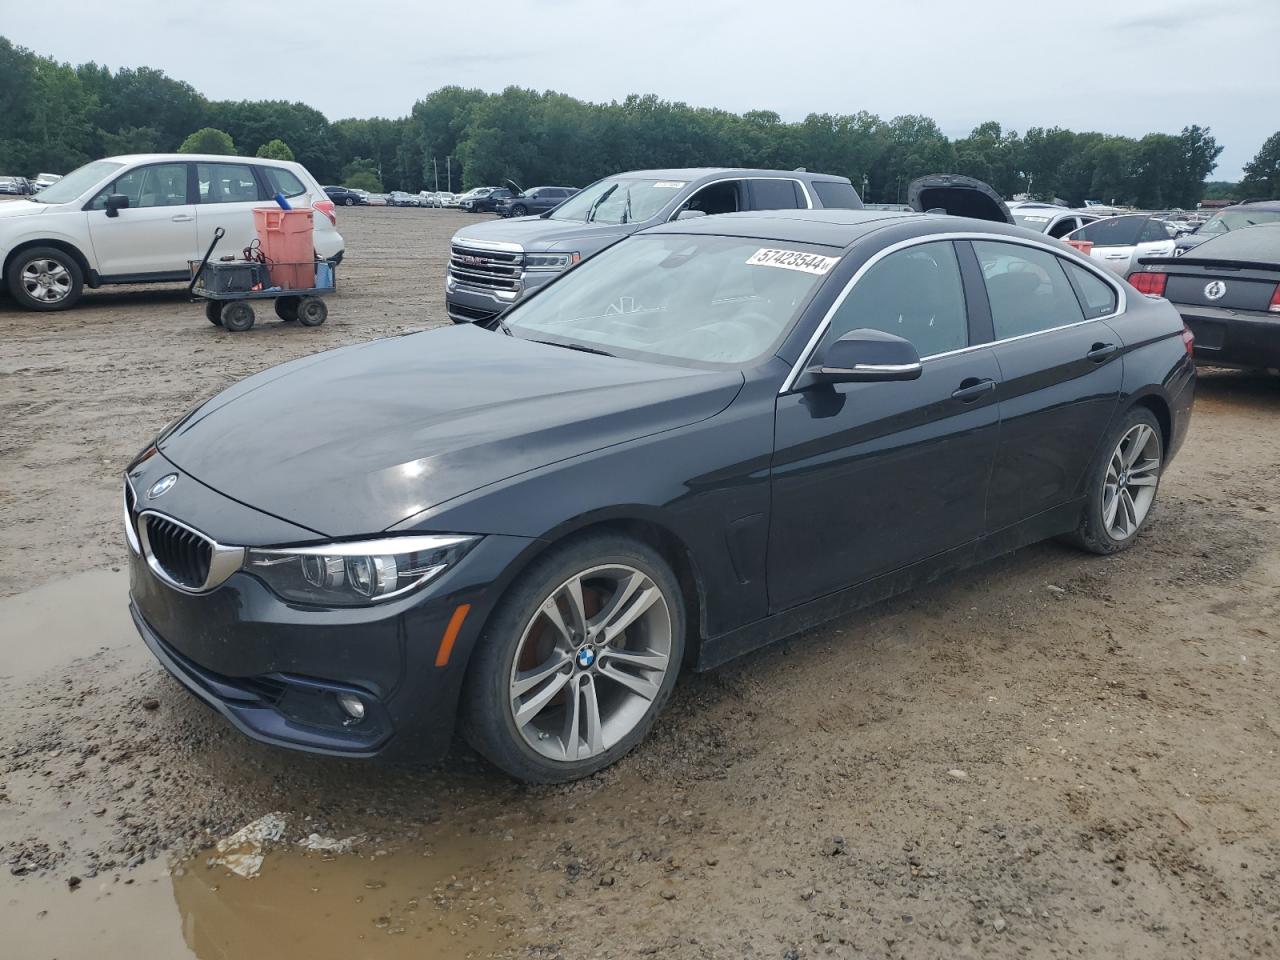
x=287, y=308
x=1133, y=451
x=519, y=630
x=237, y=316
x=213, y=312
x=519, y=210
x=45, y=278
x=312, y=311
x=348, y=202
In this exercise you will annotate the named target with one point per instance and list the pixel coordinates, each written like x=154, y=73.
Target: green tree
x=275, y=150
x=1262, y=173
x=363, y=180
x=209, y=140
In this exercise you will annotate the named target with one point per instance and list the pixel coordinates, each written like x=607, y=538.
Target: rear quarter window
x=1097, y=297
x=836, y=195
x=284, y=181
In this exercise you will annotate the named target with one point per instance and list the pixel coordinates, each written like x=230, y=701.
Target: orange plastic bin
x=286, y=241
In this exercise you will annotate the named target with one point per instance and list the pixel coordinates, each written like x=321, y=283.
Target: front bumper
x=1233, y=338
x=467, y=303
x=275, y=669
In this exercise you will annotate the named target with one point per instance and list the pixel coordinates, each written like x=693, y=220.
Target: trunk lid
x=959, y=196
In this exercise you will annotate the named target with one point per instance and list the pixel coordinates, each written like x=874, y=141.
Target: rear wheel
x=1123, y=483
x=312, y=312
x=519, y=210
x=576, y=662
x=45, y=278
x=287, y=308
x=237, y=316
x=213, y=312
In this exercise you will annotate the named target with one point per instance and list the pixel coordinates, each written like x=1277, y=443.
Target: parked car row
x=23, y=187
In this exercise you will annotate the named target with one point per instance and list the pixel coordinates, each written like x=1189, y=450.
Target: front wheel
x=312, y=311
x=45, y=278
x=576, y=662
x=1123, y=482
x=349, y=202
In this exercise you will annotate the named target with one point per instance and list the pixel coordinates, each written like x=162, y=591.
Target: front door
x=870, y=477
x=1060, y=370
x=155, y=234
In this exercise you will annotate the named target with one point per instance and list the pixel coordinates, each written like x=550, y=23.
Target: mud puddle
x=427, y=902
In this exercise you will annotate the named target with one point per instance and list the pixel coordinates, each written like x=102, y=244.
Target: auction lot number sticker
x=793, y=260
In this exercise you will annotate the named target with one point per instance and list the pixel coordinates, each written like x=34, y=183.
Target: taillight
x=1274, y=305
x=327, y=207
x=1188, y=340
x=1151, y=284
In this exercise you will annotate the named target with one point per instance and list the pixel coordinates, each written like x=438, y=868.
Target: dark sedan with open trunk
x=1228, y=292
x=716, y=433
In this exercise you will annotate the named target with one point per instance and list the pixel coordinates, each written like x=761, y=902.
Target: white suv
x=140, y=219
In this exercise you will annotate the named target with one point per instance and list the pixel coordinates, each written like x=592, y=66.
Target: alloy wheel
x=46, y=280
x=1130, y=484
x=590, y=662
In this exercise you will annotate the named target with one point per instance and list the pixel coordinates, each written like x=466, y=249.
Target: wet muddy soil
x=1053, y=755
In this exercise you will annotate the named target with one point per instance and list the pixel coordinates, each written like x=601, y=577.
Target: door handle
x=182, y=218
x=1100, y=351
x=972, y=388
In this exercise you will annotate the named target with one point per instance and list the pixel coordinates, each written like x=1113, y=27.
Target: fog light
x=352, y=706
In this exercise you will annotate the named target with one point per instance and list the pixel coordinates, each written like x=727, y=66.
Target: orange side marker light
x=451, y=634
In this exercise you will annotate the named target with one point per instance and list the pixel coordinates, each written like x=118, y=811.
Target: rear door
x=870, y=477
x=1114, y=240
x=1153, y=241
x=228, y=192
x=156, y=233
x=1060, y=375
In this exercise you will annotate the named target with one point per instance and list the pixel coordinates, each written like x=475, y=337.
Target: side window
x=227, y=183
x=157, y=185
x=775, y=195
x=834, y=194
x=1097, y=296
x=1153, y=232
x=1063, y=227
x=716, y=198
x=283, y=181
x=916, y=294
x=1028, y=289
x=1112, y=232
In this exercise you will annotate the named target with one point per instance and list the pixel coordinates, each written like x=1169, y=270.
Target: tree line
x=55, y=116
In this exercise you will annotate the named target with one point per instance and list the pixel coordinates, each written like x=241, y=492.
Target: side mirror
x=690, y=214
x=115, y=203
x=866, y=356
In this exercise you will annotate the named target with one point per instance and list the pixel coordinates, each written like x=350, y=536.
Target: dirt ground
x=1053, y=755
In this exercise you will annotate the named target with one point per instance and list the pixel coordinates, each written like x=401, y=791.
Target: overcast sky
x=1119, y=66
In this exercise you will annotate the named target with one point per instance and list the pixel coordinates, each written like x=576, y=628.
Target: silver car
x=1118, y=242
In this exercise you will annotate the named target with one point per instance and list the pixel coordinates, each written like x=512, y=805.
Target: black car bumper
x=1233, y=338
x=275, y=669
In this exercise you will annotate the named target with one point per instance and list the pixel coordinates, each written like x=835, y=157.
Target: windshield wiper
x=626, y=209
x=577, y=346
x=599, y=200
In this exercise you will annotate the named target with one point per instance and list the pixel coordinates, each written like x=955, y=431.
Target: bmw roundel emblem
x=162, y=486
x=1215, y=290
x=586, y=657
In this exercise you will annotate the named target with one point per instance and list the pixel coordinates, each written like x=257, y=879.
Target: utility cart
x=229, y=288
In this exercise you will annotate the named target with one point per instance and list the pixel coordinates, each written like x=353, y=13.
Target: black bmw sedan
x=714, y=434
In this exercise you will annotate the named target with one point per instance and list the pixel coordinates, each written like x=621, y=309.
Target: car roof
x=197, y=157
x=1254, y=205
x=830, y=227
x=697, y=173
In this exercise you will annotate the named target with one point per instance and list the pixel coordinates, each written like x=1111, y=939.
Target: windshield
x=77, y=182
x=1228, y=220
x=705, y=299
x=619, y=201
x=1258, y=244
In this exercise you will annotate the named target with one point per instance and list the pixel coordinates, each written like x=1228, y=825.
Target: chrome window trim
x=1053, y=246
x=223, y=560
x=804, y=188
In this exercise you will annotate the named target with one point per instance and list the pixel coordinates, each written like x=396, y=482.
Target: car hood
x=23, y=208
x=350, y=442
x=543, y=233
x=958, y=196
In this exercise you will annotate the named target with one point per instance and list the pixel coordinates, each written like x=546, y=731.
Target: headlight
x=550, y=261
x=355, y=574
